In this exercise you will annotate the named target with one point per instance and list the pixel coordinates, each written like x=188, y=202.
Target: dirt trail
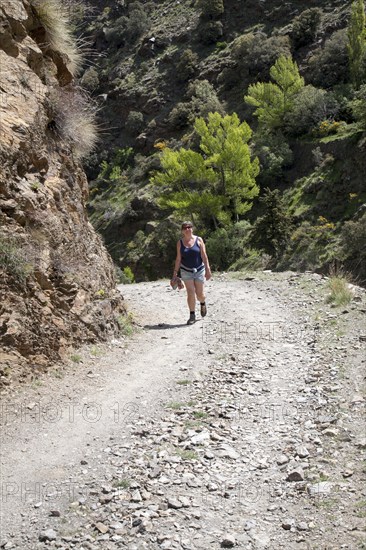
x=194, y=437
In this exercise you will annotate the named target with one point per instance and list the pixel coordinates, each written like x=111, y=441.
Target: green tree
x=305, y=26
x=187, y=183
x=357, y=42
x=271, y=231
x=224, y=141
x=329, y=65
x=274, y=99
x=217, y=183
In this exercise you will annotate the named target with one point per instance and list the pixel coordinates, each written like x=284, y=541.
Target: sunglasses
x=186, y=227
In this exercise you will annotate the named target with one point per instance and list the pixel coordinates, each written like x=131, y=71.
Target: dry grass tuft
x=74, y=114
x=340, y=292
x=54, y=16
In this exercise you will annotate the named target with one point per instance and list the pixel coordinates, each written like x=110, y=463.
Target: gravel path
x=244, y=430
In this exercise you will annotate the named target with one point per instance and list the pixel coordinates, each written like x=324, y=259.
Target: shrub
x=125, y=276
x=305, y=26
x=252, y=259
x=187, y=65
x=225, y=247
x=221, y=45
x=126, y=324
x=53, y=16
x=203, y=100
x=219, y=249
x=116, y=173
x=90, y=79
x=311, y=247
x=274, y=154
x=328, y=128
x=129, y=274
x=129, y=28
x=179, y=115
x=142, y=167
x=14, y=258
x=329, y=65
x=310, y=106
x=242, y=46
x=256, y=53
x=211, y=32
x=211, y=8
x=116, y=35
x=74, y=116
x=264, y=52
x=140, y=253
x=137, y=22
x=134, y=122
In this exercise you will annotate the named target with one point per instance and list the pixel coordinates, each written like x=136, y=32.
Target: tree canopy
x=216, y=183
x=274, y=99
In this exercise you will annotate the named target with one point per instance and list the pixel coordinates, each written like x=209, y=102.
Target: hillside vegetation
x=248, y=117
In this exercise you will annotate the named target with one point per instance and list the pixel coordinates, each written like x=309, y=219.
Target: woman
x=194, y=267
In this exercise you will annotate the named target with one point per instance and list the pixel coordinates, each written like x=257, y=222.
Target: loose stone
x=228, y=541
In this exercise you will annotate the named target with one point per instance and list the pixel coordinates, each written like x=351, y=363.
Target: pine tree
x=218, y=183
x=357, y=42
x=274, y=100
x=224, y=141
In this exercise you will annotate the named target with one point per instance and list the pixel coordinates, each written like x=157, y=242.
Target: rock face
x=57, y=285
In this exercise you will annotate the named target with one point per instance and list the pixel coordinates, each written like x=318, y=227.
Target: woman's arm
x=205, y=258
x=177, y=261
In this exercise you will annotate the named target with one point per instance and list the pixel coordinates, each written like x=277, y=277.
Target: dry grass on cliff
x=75, y=114
x=55, y=18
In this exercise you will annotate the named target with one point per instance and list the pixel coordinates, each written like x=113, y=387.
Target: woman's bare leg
x=200, y=291
x=191, y=298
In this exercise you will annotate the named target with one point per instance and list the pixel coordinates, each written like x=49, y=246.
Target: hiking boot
x=192, y=319
x=203, y=310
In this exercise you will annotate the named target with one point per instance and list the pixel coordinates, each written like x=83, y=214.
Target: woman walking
x=194, y=267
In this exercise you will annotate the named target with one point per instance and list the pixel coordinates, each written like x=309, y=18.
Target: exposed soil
x=245, y=429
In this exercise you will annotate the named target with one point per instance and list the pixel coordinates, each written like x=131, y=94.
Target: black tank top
x=191, y=257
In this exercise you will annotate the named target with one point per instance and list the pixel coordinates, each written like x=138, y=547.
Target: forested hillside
x=275, y=179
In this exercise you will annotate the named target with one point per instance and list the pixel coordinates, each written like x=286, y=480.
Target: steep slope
x=140, y=48
x=56, y=278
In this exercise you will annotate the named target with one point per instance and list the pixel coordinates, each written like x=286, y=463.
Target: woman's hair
x=186, y=223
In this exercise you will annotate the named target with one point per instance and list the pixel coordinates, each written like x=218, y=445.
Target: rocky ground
x=245, y=430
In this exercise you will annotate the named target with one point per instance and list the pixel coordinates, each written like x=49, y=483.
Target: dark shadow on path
x=163, y=326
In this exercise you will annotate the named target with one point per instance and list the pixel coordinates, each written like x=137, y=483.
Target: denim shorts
x=190, y=276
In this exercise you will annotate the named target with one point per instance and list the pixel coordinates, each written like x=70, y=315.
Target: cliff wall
x=57, y=287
